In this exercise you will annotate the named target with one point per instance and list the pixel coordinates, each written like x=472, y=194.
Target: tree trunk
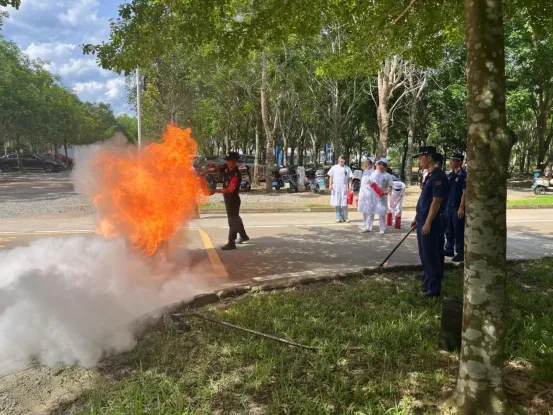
x=284, y=149
x=18, y=152
x=292, y=150
x=480, y=388
x=266, y=123
x=301, y=150
x=336, y=121
x=256, y=158
x=65, y=149
x=383, y=118
x=405, y=175
x=407, y=172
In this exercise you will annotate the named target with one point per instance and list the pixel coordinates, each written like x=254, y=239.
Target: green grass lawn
x=536, y=200
x=400, y=370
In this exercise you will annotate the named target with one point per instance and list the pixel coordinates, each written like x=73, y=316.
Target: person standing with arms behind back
x=455, y=219
x=230, y=191
x=365, y=191
x=339, y=184
x=429, y=221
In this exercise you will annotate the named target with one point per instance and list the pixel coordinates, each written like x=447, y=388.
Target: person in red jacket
x=230, y=191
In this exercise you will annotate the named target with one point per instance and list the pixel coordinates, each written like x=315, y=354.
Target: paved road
x=292, y=244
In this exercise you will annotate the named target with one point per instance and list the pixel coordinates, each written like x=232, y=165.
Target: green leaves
x=36, y=111
x=13, y=3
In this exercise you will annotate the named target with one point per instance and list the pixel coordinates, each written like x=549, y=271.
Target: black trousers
x=235, y=224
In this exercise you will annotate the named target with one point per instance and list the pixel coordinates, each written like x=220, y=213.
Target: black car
x=30, y=162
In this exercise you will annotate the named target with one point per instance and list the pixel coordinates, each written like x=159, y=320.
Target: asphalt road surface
x=291, y=244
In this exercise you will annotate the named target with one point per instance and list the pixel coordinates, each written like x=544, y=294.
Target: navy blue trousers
x=454, y=232
x=431, y=252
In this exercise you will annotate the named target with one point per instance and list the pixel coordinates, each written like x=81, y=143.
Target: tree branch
x=404, y=12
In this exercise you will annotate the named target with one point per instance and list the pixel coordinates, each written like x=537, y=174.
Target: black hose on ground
x=255, y=332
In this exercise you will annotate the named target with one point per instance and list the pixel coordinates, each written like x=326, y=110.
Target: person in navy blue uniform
x=455, y=216
x=231, y=188
x=440, y=163
x=429, y=221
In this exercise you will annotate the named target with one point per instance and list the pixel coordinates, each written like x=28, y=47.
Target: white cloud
x=47, y=51
x=80, y=12
x=115, y=87
x=88, y=87
x=77, y=66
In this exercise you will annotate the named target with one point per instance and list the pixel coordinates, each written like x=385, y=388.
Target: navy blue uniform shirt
x=435, y=185
x=457, y=183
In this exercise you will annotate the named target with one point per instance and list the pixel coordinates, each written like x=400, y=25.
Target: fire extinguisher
x=389, y=218
x=398, y=222
x=350, y=197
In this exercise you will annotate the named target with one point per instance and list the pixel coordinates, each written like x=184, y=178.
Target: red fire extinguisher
x=377, y=189
x=350, y=197
x=398, y=222
x=389, y=218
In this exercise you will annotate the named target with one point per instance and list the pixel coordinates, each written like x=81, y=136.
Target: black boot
x=228, y=247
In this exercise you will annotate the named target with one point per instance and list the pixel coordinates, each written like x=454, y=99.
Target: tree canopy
x=37, y=113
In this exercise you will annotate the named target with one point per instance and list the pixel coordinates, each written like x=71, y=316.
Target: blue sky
x=53, y=30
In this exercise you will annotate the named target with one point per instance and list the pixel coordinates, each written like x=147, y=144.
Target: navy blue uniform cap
x=457, y=156
x=425, y=150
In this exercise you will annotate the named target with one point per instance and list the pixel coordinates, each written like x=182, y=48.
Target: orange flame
x=146, y=196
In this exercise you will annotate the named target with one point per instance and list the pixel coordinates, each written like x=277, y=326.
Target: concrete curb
x=331, y=210
x=158, y=316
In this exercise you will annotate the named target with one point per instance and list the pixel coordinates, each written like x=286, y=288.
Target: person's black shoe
x=458, y=258
x=449, y=254
x=228, y=247
x=242, y=240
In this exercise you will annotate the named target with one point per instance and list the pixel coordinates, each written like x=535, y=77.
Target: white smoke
x=71, y=300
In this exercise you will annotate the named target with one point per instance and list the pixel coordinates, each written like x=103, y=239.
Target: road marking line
x=214, y=258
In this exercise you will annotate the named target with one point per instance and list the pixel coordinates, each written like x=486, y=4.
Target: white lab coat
x=398, y=197
x=379, y=205
x=365, y=191
x=340, y=182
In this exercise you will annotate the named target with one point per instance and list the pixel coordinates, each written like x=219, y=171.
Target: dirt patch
x=39, y=390
x=535, y=398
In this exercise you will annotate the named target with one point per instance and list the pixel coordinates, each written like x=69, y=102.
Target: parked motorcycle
x=245, y=184
x=320, y=184
x=276, y=178
x=289, y=177
x=542, y=185
x=356, y=182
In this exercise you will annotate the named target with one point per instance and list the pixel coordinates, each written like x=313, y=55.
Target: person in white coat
x=363, y=204
x=378, y=203
x=339, y=184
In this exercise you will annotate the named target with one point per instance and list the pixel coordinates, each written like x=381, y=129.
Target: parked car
x=68, y=161
x=30, y=162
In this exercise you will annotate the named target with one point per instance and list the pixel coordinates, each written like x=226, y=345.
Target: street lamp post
x=138, y=110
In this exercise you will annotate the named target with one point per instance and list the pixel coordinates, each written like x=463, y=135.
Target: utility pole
x=138, y=109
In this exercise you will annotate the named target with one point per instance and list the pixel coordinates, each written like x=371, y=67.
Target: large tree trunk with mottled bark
x=480, y=388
